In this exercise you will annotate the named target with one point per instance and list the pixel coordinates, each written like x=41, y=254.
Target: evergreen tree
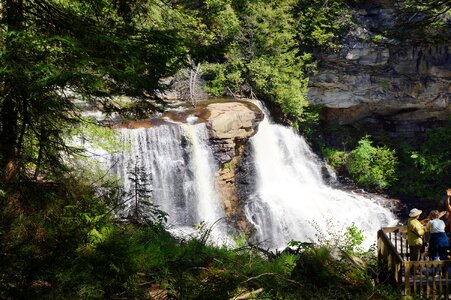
x=427, y=19
x=53, y=51
x=272, y=54
x=274, y=66
x=142, y=209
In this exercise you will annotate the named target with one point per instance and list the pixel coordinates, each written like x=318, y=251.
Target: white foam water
x=292, y=202
x=181, y=168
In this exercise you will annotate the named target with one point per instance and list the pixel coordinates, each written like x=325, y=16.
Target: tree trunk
x=9, y=118
x=9, y=110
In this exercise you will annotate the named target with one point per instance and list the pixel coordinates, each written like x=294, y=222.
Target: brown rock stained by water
x=231, y=124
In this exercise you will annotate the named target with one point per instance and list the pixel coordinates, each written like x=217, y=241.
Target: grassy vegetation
x=70, y=245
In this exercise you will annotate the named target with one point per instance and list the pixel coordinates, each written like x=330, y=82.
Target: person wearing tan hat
x=415, y=233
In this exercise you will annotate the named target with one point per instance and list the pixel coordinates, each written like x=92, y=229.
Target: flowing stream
x=292, y=202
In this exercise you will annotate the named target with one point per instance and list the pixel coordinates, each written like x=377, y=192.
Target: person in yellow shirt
x=415, y=233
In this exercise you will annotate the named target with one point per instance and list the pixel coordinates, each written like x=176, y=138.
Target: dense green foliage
x=68, y=245
x=372, y=167
x=420, y=169
x=426, y=20
x=53, y=50
x=271, y=54
x=425, y=170
x=321, y=24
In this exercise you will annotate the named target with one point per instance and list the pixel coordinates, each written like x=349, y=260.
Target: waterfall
x=291, y=201
x=181, y=168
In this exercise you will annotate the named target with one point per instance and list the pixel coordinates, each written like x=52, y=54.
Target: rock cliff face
x=376, y=79
x=230, y=126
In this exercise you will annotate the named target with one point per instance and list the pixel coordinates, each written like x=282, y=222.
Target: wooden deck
x=425, y=278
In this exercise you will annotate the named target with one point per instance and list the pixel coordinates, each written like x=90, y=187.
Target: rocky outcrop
x=245, y=175
x=231, y=124
x=379, y=79
x=228, y=192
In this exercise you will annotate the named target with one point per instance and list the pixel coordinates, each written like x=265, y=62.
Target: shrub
x=372, y=167
x=334, y=158
x=336, y=267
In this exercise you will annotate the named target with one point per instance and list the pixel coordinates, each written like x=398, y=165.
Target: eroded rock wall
x=378, y=80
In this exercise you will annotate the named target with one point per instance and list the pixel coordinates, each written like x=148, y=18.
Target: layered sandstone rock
x=377, y=79
x=230, y=125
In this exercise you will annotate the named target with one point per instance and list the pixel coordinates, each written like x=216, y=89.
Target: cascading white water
x=292, y=202
x=160, y=153
x=203, y=166
x=181, y=168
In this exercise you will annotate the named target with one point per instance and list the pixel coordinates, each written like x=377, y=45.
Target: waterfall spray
x=292, y=202
x=182, y=169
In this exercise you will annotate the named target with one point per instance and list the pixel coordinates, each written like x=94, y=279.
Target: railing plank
x=441, y=287
x=447, y=283
x=435, y=270
x=392, y=259
x=416, y=269
x=407, y=271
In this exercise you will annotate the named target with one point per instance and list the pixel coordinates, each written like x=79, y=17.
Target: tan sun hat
x=414, y=212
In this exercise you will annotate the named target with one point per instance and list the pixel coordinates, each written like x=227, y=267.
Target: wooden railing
x=425, y=278
x=391, y=261
x=398, y=237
